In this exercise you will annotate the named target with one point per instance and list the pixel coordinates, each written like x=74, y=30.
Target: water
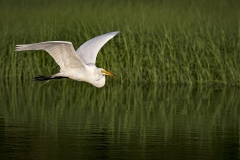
x=72, y=120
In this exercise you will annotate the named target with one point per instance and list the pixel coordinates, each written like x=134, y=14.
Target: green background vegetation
x=164, y=41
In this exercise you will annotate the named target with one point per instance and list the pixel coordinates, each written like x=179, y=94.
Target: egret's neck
x=100, y=82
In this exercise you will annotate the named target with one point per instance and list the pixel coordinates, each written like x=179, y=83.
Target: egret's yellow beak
x=107, y=73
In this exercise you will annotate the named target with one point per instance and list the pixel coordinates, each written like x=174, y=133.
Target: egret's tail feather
x=44, y=78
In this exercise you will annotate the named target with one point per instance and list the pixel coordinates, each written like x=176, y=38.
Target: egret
x=78, y=65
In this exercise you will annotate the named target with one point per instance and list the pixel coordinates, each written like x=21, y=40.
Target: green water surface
x=73, y=120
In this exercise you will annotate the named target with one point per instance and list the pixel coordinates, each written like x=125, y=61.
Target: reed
x=160, y=41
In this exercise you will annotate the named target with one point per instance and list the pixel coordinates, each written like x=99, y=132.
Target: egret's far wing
x=61, y=51
x=89, y=50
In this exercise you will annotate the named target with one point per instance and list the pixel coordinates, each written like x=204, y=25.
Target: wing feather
x=61, y=51
x=88, y=51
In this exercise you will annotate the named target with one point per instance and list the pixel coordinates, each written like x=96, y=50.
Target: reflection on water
x=73, y=120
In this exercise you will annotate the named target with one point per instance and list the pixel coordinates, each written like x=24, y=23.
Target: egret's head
x=99, y=77
x=104, y=72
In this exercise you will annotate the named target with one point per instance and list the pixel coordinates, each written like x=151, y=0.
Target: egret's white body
x=78, y=65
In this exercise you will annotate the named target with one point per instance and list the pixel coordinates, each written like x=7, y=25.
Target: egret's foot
x=44, y=78
x=41, y=78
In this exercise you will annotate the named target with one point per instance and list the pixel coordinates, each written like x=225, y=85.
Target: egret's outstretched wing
x=89, y=50
x=62, y=52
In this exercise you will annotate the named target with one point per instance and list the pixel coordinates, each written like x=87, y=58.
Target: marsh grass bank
x=161, y=41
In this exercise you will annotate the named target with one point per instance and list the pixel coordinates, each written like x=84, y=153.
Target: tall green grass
x=183, y=42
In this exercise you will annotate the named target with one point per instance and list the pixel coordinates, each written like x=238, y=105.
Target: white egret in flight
x=77, y=65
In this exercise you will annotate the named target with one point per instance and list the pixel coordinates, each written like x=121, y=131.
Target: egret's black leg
x=44, y=78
